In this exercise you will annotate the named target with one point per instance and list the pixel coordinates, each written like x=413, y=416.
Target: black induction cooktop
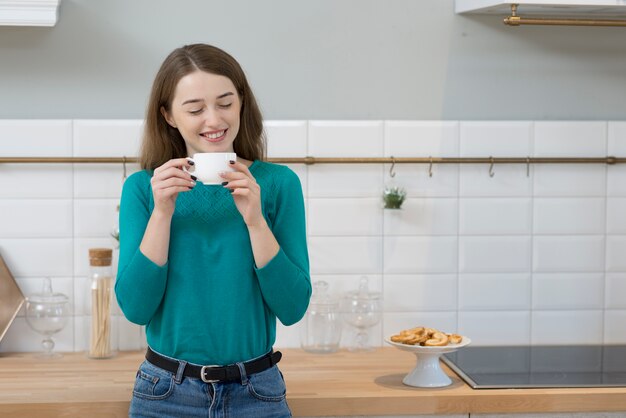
x=540, y=366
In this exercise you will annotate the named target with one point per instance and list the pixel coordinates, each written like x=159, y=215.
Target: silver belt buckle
x=202, y=370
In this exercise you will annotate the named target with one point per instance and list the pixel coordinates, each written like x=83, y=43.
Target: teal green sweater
x=210, y=304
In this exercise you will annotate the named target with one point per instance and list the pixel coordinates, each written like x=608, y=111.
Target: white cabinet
x=612, y=8
x=29, y=12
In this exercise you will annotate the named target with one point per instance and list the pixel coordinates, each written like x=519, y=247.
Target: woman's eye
x=225, y=106
x=195, y=112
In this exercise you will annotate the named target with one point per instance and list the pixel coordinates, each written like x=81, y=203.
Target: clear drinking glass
x=47, y=313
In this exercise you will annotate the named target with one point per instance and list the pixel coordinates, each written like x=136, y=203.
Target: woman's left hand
x=246, y=193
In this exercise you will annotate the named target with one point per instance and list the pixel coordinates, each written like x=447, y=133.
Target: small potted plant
x=394, y=197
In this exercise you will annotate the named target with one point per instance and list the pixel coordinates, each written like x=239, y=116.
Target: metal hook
x=527, y=166
x=124, y=168
x=392, y=173
x=491, y=172
x=430, y=167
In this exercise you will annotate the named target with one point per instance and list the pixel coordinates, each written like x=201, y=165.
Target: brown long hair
x=162, y=142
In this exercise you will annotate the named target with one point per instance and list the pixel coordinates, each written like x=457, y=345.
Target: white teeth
x=215, y=135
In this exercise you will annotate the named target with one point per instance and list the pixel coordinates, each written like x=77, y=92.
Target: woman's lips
x=215, y=136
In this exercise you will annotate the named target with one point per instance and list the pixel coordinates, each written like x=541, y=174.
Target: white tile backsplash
x=421, y=292
x=507, y=181
x=420, y=254
x=568, y=291
x=40, y=218
x=563, y=327
x=508, y=259
x=476, y=291
x=616, y=180
x=568, y=253
x=35, y=181
x=616, y=177
x=615, y=250
x=614, y=332
x=495, y=216
x=37, y=257
x=616, y=139
x=570, y=139
x=438, y=216
x=491, y=254
x=107, y=138
x=615, y=219
x=569, y=216
x=421, y=138
x=615, y=291
x=495, y=139
x=345, y=255
x=95, y=217
x=358, y=216
x=345, y=180
x=496, y=327
x=345, y=138
x=286, y=138
x=416, y=179
x=35, y=138
x=100, y=181
x=570, y=180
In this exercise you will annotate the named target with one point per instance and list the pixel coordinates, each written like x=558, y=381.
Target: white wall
x=318, y=59
x=508, y=259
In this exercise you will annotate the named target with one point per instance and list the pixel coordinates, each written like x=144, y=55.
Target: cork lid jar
x=100, y=257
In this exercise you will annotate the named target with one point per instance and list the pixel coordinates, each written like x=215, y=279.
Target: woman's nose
x=211, y=117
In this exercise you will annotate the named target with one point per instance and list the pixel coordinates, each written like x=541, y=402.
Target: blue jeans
x=160, y=393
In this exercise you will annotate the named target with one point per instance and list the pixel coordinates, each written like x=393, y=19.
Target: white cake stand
x=427, y=372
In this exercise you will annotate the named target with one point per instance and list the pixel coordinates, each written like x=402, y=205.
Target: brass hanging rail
x=347, y=160
x=515, y=20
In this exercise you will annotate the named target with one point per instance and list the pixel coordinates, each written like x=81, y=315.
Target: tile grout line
x=606, y=234
x=532, y=235
x=458, y=232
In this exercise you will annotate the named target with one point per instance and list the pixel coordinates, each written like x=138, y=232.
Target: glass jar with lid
x=321, y=327
x=362, y=309
x=47, y=313
x=101, y=306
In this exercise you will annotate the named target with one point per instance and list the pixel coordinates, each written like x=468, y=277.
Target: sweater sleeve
x=285, y=281
x=140, y=283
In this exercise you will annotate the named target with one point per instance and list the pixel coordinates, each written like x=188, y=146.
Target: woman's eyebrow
x=191, y=101
x=221, y=96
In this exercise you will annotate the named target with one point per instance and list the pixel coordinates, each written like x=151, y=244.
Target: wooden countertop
x=342, y=383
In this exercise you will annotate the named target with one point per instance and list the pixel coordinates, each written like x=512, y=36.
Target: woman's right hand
x=167, y=181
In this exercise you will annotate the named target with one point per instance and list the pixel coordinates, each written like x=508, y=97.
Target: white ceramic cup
x=208, y=165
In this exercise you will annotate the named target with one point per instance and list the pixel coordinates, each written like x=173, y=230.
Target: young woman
x=207, y=268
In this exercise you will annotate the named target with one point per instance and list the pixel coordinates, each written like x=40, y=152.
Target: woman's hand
x=246, y=193
x=169, y=180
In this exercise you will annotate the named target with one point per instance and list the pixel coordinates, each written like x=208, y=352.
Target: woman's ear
x=168, y=117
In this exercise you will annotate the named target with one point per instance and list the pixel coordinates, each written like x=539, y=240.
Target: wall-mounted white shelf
x=29, y=12
x=574, y=8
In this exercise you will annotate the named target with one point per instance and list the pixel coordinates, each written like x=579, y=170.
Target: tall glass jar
x=320, y=331
x=101, y=305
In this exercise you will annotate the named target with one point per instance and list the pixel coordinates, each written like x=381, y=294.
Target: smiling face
x=205, y=109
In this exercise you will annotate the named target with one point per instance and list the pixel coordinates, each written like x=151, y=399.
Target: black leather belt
x=211, y=374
